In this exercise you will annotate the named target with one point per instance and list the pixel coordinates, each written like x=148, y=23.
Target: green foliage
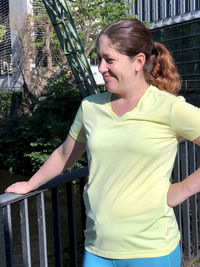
x=5, y=104
x=2, y=32
x=94, y=15
x=90, y=16
x=28, y=141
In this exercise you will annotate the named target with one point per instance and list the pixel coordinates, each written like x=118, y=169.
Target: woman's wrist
x=176, y=194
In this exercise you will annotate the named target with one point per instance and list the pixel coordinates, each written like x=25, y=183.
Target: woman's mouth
x=107, y=78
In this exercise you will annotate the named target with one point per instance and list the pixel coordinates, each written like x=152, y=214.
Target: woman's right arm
x=61, y=159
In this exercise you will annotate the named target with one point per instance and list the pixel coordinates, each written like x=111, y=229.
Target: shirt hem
x=131, y=255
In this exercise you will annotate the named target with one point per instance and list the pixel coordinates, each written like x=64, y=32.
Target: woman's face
x=118, y=70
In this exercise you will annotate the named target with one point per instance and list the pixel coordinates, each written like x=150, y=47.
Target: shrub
x=28, y=140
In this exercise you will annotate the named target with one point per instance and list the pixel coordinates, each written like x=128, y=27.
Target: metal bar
x=68, y=37
x=194, y=218
x=8, y=235
x=57, y=228
x=2, y=246
x=179, y=37
x=72, y=225
x=25, y=233
x=9, y=198
x=42, y=229
x=185, y=205
x=83, y=215
x=176, y=179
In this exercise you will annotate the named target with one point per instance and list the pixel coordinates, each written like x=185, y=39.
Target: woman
x=131, y=134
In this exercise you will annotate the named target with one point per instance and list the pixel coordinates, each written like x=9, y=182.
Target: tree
x=91, y=16
x=41, y=55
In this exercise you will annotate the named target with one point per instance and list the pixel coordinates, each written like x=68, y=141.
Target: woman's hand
x=19, y=188
x=176, y=194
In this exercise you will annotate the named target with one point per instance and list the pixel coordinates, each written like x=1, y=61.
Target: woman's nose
x=102, y=67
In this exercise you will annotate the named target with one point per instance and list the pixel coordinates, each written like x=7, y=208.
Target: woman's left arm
x=179, y=192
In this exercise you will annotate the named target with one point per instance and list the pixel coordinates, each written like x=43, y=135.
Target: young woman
x=131, y=133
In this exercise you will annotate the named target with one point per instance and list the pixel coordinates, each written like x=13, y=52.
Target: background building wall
x=176, y=24
x=183, y=41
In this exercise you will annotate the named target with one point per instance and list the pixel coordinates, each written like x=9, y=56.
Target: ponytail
x=161, y=71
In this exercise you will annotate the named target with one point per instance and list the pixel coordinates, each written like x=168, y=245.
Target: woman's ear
x=140, y=61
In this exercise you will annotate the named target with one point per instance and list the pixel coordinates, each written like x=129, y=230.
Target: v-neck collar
x=134, y=110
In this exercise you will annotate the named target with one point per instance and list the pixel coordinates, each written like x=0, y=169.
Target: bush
x=5, y=104
x=28, y=141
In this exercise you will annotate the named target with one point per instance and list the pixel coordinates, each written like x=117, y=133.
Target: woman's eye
x=109, y=60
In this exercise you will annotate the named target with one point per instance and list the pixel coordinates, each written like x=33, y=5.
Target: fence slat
x=193, y=201
x=8, y=235
x=72, y=225
x=176, y=174
x=185, y=205
x=25, y=233
x=57, y=228
x=83, y=215
x=42, y=230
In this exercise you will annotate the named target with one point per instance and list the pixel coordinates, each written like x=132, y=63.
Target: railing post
x=176, y=179
x=72, y=224
x=83, y=215
x=42, y=229
x=25, y=233
x=57, y=230
x=8, y=235
x=185, y=205
x=193, y=202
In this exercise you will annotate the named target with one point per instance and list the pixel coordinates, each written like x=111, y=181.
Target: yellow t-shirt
x=130, y=162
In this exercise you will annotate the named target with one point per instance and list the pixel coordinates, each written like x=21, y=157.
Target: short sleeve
x=77, y=130
x=185, y=119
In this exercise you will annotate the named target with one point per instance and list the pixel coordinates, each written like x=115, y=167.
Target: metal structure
x=161, y=13
x=64, y=26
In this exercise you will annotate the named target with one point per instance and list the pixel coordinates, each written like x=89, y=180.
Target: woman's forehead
x=104, y=43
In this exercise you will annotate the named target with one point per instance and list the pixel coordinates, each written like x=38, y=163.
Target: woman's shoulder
x=164, y=96
x=100, y=98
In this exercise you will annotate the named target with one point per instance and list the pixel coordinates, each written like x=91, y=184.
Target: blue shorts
x=171, y=260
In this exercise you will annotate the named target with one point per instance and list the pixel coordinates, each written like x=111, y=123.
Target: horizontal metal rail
x=8, y=199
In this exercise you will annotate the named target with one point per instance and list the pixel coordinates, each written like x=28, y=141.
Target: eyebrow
x=104, y=55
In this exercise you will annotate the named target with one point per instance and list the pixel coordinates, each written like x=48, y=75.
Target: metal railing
x=187, y=214
x=6, y=221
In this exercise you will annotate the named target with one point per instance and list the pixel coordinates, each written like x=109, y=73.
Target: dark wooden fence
x=60, y=240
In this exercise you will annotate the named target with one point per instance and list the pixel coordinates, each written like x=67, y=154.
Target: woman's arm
x=61, y=159
x=179, y=192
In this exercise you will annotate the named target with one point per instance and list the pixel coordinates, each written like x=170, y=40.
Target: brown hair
x=130, y=37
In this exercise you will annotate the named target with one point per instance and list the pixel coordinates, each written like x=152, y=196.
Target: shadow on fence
x=45, y=227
